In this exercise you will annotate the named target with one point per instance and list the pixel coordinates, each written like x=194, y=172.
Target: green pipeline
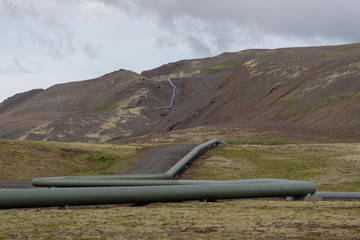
x=103, y=182
x=54, y=197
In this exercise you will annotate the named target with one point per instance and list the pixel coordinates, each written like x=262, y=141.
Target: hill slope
x=319, y=87
x=316, y=87
x=97, y=110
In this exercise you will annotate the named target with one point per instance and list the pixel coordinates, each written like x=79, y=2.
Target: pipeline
x=144, y=188
x=173, y=93
x=52, y=197
x=335, y=196
x=68, y=182
x=172, y=97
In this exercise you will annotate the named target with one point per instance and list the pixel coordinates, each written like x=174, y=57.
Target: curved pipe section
x=171, y=173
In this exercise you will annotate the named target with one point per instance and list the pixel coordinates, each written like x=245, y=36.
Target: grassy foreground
x=248, y=219
x=333, y=167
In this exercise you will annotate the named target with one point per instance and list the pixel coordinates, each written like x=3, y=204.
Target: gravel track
x=161, y=159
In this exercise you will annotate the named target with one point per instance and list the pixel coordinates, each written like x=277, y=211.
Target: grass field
x=25, y=160
x=249, y=219
x=332, y=167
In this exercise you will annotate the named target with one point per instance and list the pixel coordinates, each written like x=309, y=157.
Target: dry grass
x=189, y=220
x=332, y=167
x=23, y=160
x=202, y=134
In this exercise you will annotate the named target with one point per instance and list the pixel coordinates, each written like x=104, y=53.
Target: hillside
x=318, y=87
x=314, y=88
x=116, y=104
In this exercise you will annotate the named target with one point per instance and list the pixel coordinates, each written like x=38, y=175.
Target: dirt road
x=161, y=159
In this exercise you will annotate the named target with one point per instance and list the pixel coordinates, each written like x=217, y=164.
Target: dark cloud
x=330, y=18
x=230, y=23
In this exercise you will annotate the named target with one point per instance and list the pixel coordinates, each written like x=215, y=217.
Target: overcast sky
x=45, y=42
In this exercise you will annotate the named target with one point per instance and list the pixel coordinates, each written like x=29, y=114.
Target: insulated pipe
x=192, y=154
x=169, y=174
x=51, y=197
x=173, y=94
x=337, y=195
x=68, y=182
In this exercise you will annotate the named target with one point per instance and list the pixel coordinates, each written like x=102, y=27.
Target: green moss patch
x=221, y=67
x=106, y=107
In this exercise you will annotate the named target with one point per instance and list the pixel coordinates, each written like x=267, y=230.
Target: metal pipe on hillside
x=172, y=97
x=173, y=93
x=52, y=197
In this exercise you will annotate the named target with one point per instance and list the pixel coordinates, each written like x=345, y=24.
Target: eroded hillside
x=116, y=104
x=314, y=87
x=317, y=87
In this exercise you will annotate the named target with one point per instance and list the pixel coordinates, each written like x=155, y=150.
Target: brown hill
x=317, y=86
x=116, y=104
x=311, y=88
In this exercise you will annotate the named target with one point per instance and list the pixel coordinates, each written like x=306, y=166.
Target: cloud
x=93, y=11
x=48, y=26
x=197, y=46
x=12, y=8
x=231, y=24
x=14, y=66
x=91, y=50
x=18, y=8
x=53, y=37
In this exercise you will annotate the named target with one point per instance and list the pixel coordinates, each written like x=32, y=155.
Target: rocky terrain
x=315, y=89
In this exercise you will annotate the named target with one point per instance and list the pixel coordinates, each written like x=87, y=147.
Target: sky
x=47, y=42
